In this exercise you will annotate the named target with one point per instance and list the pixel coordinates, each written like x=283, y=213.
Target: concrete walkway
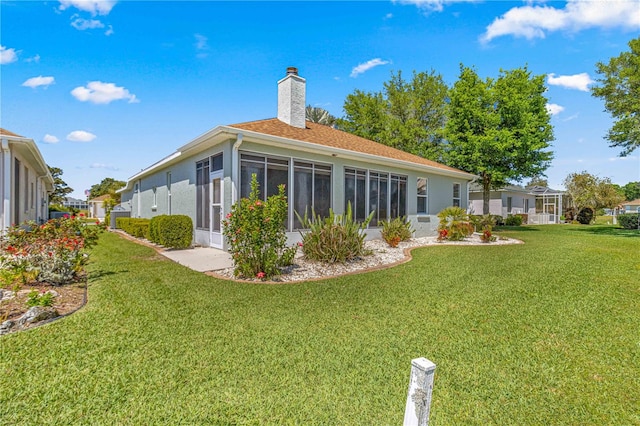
x=200, y=259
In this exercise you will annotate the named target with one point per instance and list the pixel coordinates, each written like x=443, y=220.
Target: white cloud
x=50, y=139
x=34, y=82
x=388, y=16
x=35, y=59
x=554, y=109
x=536, y=21
x=7, y=55
x=109, y=31
x=366, y=66
x=432, y=5
x=201, y=45
x=577, y=81
x=103, y=166
x=80, y=136
x=95, y=7
x=98, y=92
x=85, y=24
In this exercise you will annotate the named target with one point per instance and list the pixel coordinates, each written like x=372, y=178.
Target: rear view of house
x=25, y=181
x=321, y=167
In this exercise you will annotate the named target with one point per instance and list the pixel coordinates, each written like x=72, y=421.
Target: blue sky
x=107, y=88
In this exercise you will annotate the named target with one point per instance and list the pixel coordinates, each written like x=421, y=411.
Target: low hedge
x=171, y=231
x=629, y=220
x=136, y=227
x=513, y=220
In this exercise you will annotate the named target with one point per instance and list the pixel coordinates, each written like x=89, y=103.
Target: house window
x=355, y=182
x=169, y=193
x=270, y=173
x=202, y=194
x=456, y=195
x=155, y=198
x=509, y=204
x=33, y=195
x=384, y=194
x=422, y=195
x=398, y=196
x=311, y=190
x=526, y=205
x=26, y=189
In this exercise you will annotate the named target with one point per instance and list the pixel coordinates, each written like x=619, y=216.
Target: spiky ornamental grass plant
x=256, y=235
x=335, y=238
x=396, y=230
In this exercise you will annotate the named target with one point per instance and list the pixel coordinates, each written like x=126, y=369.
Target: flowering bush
x=256, y=235
x=455, y=221
x=54, y=252
x=487, y=236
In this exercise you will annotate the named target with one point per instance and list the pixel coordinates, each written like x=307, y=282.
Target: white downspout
x=6, y=187
x=235, y=168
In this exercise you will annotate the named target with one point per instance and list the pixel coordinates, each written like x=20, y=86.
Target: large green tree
x=107, y=186
x=585, y=190
x=619, y=87
x=498, y=128
x=407, y=114
x=60, y=187
x=631, y=191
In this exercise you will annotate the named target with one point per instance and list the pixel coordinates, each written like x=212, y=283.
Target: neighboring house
x=542, y=205
x=511, y=199
x=75, y=203
x=322, y=168
x=97, y=208
x=630, y=206
x=25, y=181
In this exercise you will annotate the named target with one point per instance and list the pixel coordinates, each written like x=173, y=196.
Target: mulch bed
x=70, y=298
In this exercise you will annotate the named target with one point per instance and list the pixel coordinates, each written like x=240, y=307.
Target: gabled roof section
x=8, y=133
x=635, y=202
x=333, y=138
x=99, y=198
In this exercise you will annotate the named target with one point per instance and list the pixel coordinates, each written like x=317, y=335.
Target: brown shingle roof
x=100, y=198
x=330, y=137
x=8, y=133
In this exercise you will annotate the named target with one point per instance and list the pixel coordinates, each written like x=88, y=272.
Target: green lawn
x=542, y=333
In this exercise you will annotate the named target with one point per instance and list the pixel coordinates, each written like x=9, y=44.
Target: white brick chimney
x=292, y=99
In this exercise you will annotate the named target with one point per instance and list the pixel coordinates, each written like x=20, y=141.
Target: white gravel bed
x=383, y=255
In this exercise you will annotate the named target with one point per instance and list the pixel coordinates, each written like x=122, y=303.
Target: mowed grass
x=542, y=333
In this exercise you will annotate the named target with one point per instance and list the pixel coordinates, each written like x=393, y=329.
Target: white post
x=416, y=412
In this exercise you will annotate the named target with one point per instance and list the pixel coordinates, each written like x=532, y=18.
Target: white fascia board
x=344, y=153
x=199, y=143
x=30, y=144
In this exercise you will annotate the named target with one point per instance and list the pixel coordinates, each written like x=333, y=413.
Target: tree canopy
x=619, y=87
x=319, y=115
x=408, y=115
x=585, y=190
x=631, y=191
x=499, y=128
x=107, y=186
x=60, y=187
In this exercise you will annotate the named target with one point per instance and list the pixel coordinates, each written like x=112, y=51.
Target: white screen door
x=217, y=197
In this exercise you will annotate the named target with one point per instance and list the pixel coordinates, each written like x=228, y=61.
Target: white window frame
x=424, y=196
x=459, y=197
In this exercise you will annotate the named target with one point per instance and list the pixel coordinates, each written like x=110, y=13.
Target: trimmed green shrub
x=175, y=231
x=629, y=220
x=454, y=224
x=396, y=230
x=153, y=228
x=256, y=235
x=336, y=238
x=513, y=220
x=585, y=216
x=137, y=227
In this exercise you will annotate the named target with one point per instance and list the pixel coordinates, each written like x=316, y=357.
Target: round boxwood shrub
x=174, y=231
